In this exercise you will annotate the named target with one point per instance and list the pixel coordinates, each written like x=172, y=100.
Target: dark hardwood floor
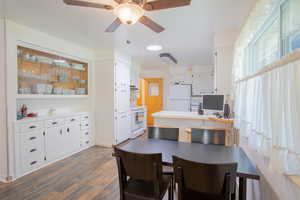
x=88, y=175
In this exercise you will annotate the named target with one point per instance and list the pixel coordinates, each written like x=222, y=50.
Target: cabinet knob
x=32, y=127
x=32, y=138
x=32, y=150
x=34, y=162
x=72, y=120
x=68, y=130
x=54, y=123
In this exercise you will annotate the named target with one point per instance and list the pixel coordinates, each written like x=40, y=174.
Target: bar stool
x=205, y=136
x=163, y=133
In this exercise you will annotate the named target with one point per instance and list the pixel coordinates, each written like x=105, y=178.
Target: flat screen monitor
x=213, y=102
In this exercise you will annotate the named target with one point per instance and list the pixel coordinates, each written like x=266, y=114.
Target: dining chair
x=163, y=133
x=205, y=136
x=204, y=181
x=141, y=176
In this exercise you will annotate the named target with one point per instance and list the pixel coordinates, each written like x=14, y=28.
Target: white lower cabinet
x=39, y=143
x=54, y=143
x=32, y=150
x=123, y=129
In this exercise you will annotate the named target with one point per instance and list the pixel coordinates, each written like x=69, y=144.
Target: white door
x=123, y=130
x=72, y=137
x=54, y=143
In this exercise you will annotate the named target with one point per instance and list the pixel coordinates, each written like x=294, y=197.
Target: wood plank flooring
x=88, y=175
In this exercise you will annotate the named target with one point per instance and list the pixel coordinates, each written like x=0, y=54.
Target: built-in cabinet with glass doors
x=41, y=73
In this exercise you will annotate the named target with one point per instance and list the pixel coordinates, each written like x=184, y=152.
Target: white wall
x=3, y=130
x=171, y=75
x=104, y=102
x=224, y=46
x=18, y=34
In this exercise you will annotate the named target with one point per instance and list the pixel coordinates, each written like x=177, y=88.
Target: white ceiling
x=189, y=33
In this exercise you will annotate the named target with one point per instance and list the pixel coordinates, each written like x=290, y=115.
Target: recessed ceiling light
x=154, y=48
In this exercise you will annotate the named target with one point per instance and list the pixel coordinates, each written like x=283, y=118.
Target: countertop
x=188, y=115
x=47, y=117
x=138, y=108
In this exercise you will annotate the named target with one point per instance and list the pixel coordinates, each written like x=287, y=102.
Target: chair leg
x=170, y=191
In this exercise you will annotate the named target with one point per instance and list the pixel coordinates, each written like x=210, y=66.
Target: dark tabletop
x=195, y=152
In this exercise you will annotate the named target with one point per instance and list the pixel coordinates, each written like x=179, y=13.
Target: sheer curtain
x=268, y=116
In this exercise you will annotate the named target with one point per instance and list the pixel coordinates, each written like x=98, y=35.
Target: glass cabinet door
x=47, y=74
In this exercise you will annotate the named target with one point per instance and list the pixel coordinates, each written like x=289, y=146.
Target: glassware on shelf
x=48, y=74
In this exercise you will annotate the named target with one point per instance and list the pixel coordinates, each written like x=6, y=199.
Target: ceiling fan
x=131, y=11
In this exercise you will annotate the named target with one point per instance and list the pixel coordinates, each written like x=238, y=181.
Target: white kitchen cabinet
x=123, y=124
x=122, y=73
x=72, y=137
x=54, y=143
x=32, y=150
x=41, y=142
x=202, y=83
x=122, y=96
x=112, y=97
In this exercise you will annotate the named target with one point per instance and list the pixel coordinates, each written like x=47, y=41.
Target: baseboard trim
x=5, y=179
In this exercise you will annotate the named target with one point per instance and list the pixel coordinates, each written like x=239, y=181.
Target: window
x=279, y=36
x=290, y=26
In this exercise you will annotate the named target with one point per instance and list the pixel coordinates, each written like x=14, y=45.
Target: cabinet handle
x=87, y=142
x=60, y=132
x=32, y=138
x=72, y=120
x=86, y=117
x=34, y=162
x=32, y=150
x=68, y=130
x=54, y=123
x=31, y=127
x=86, y=133
x=86, y=124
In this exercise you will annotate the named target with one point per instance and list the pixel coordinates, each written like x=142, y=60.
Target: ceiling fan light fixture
x=129, y=13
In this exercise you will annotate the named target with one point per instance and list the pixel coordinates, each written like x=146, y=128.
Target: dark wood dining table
x=199, y=153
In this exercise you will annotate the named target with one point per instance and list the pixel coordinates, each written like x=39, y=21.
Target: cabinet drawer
x=72, y=120
x=86, y=142
x=31, y=143
x=85, y=133
x=32, y=126
x=84, y=117
x=54, y=123
x=33, y=161
x=84, y=125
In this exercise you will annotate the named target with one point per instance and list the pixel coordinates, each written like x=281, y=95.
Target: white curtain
x=268, y=116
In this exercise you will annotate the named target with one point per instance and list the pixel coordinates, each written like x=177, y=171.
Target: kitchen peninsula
x=187, y=120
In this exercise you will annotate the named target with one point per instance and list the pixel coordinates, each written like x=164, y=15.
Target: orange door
x=153, y=93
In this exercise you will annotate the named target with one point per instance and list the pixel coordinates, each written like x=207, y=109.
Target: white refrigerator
x=180, y=98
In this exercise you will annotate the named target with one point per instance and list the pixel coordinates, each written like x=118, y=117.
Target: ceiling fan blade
x=165, y=4
x=87, y=4
x=151, y=24
x=113, y=26
x=119, y=1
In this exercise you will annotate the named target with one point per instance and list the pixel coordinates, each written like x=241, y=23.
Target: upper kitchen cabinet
x=42, y=74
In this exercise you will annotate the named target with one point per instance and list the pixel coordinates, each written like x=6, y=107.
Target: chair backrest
x=163, y=133
x=205, y=136
x=211, y=179
x=146, y=167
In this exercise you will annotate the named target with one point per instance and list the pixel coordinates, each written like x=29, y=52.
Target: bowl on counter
x=38, y=88
x=57, y=91
x=48, y=89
